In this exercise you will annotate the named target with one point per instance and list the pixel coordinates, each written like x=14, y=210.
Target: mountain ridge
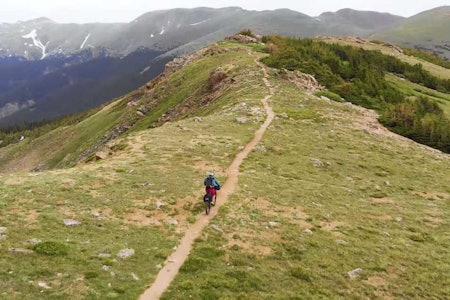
x=328, y=195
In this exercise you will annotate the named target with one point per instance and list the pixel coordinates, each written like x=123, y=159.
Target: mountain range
x=48, y=70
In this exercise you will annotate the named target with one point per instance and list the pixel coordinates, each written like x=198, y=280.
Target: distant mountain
x=428, y=30
x=41, y=60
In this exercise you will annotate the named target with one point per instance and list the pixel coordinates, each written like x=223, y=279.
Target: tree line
x=358, y=75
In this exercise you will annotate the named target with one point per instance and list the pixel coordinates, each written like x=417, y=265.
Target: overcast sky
x=84, y=11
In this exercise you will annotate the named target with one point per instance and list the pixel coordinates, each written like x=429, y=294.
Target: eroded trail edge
x=178, y=257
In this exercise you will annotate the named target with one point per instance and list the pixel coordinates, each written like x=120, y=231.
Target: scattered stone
x=316, y=162
x=172, y=222
x=34, y=241
x=260, y=149
x=353, y=274
x=387, y=183
x=158, y=266
x=2, y=229
x=159, y=204
x=70, y=222
x=273, y=224
x=216, y=228
x=241, y=120
x=283, y=115
x=387, y=234
x=43, y=285
x=104, y=255
x=198, y=119
x=96, y=214
x=101, y=155
x=125, y=253
x=105, y=268
x=325, y=99
x=135, y=277
x=307, y=231
x=398, y=219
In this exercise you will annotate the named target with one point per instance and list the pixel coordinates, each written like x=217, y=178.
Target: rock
x=316, y=162
x=134, y=276
x=325, y=99
x=105, y=268
x=125, y=253
x=34, y=241
x=172, y=222
x=241, y=120
x=101, y=155
x=159, y=204
x=307, y=231
x=70, y=222
x=216, y=228
x=283, y=116
x=158, y=267
x=43, y=285
x=103, y=255
x=398, y=219
x=2, y=229
x=273, y=224
x=353, y=274
x=387, y=234
x=198, y=119
x=260, y=149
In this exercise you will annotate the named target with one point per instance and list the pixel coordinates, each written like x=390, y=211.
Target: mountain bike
x=208, y=199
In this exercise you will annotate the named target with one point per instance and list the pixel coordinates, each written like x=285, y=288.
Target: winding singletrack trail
x=177, y=258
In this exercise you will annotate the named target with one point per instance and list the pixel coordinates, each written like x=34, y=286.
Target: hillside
x=327, y=191
x=424, y=31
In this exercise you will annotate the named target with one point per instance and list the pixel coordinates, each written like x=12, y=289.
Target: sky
x=107, y=11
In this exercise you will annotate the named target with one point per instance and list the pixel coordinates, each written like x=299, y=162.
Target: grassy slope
x=116, y=200
x=378, y=203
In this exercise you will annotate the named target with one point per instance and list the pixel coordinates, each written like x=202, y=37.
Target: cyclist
x=211, y=185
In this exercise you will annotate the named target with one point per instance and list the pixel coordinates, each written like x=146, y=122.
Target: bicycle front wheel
x=207, y=207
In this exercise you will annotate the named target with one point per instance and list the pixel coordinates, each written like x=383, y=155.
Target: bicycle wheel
x=207, y=207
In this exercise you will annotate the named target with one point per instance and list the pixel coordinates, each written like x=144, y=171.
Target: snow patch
x=36, y=42
x=85, y=40
x=151, y=35
x=162, y=31
x=145, y=70
x=198, y=23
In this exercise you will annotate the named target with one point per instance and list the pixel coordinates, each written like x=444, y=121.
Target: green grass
x=115, y=200
x=372, y=205
x=292, y=230
x=415, y=90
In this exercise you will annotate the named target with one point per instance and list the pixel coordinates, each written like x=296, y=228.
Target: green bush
x=51, y=248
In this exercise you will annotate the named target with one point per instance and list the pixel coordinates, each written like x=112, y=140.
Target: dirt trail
x=177, y=258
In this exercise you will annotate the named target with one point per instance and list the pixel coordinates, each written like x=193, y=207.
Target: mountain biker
x=211, y=185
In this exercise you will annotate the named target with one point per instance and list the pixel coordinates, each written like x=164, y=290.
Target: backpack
x=209, y=181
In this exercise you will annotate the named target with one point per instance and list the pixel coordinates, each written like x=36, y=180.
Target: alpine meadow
x=345, y=196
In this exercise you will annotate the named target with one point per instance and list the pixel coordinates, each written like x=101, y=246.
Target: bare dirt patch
x=375, y=281
x=382, y=200
x=331, y=227
x=432, y=195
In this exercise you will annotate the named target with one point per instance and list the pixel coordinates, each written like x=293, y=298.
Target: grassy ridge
x=117, y=200
x=294, y=230
x=374, y=201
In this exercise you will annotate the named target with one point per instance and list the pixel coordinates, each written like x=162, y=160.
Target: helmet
x=211, y=174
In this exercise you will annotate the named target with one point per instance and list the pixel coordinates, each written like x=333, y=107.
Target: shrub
x=51, y=248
